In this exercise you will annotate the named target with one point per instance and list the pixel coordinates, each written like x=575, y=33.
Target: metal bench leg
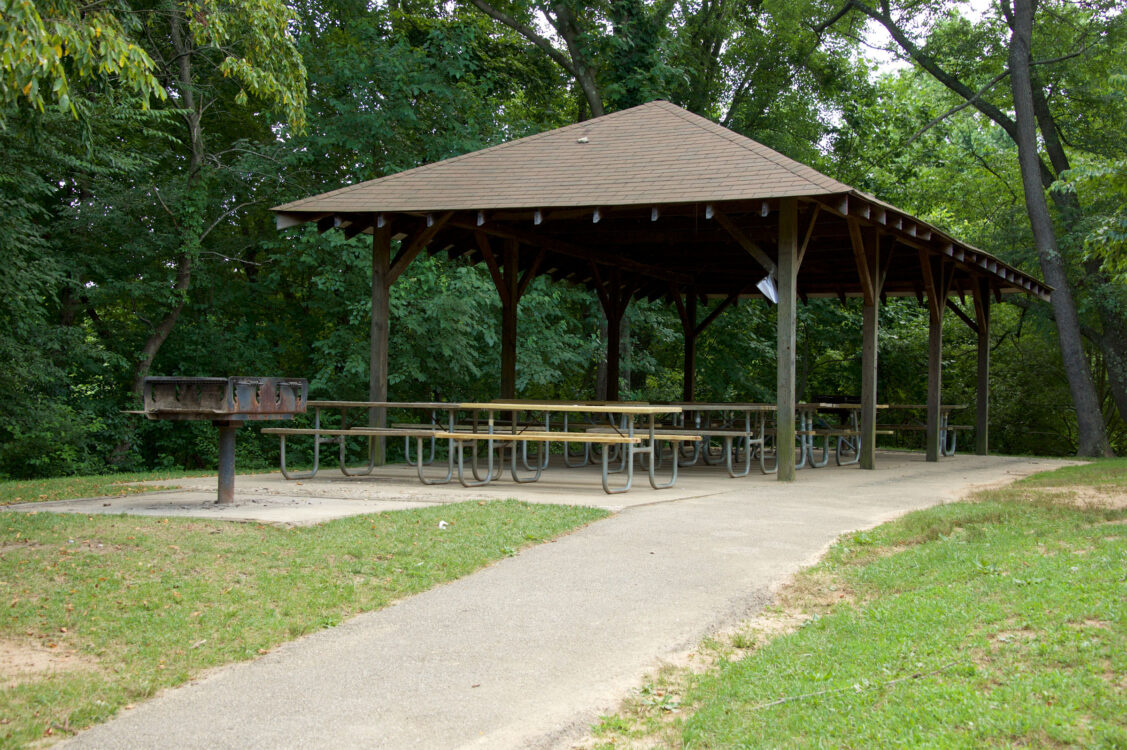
x=371, y=459
x=586, y=454
x=653, y=449
x=449, y=464
x=536, y=472
x=747, y=443
x=706, y=452
x=848, y=445
x=763, y=467
x=606, y=473
x=305, y=475
x=947, y=439
x=568, y=455
x=489, y=477
x=825, y=459
x=461, y=448
x=419, y=452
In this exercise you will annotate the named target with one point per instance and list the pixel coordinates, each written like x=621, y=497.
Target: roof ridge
x=460, y=157
x=755, y=147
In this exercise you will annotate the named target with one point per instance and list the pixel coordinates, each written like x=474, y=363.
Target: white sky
x=877, y=37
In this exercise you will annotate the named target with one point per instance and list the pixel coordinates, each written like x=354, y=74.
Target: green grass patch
x=68, y=488
x=1100, y=473
x=1001, y=621
x=126, y=606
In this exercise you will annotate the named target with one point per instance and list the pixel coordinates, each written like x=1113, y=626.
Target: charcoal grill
x=226, y=403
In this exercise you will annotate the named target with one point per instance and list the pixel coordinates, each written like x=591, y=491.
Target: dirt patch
x=22, y=661
x=655, y=709
x=1088, y=498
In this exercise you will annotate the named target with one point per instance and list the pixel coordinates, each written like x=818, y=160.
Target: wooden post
x=936, y=281
x=688, y=325
x=509, y=301
x=378, y=343
x=510, y=288
x=981, y=291
x=934, y=381
x=788, y=295
x=614, y=297
x=866, y=254
x=614, y=341
x=869, y=384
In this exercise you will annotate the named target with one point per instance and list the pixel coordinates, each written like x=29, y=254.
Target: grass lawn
x=1000, y=621
x=67, y=488
x=97, y=612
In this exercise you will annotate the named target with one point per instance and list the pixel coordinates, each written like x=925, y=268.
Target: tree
x=951, y=59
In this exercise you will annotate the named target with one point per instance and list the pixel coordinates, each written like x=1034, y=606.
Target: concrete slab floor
x=528, y=652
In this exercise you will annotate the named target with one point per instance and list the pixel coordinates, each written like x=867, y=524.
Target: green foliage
x=106, y=214
x=257, y=50
x=1104, y=177
x=47, y=46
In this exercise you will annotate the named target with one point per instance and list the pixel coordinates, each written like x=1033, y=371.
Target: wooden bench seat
x=919, y=427
x=351, y=431
x=540, y=436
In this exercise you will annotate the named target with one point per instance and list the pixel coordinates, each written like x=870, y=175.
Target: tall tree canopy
x=144, y=142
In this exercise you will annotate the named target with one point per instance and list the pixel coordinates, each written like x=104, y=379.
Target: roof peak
x=656, y=152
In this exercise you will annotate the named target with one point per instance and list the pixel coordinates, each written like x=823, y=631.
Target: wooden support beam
x=961, y=315
x=981, y=294
x=614, y=295
x=410, y=250
x=358, y=224
x=530, y=273
x=491, y=263
x=809, y=233
x=744, y=241
x=561, y=247
x=937, y=279
x=787, y=279
x=379, y=331
x=716, y=311
x=510, y=301
x=688, y=327
x=861, y=258
x=872, y=278
x=511, y=286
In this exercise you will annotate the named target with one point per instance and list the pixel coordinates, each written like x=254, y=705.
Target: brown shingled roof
x=656, y=153
x=593, y=191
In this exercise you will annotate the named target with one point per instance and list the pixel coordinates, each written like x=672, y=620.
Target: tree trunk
x=1092, y=436
x=182, y=45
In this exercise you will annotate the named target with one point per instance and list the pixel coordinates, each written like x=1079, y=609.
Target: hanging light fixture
x=768, y=288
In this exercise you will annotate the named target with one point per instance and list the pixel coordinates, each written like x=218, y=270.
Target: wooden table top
x=722, y=406
x=382, y=404
x=579, y=408
x=945, y=407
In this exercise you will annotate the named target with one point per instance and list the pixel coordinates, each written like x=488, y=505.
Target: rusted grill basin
x=227, y=403
x=236, y=399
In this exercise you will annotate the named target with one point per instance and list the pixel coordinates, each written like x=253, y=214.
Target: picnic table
x=632, y=440
x=322, y=434
x=481, y=425
x=742, y=427
x=948, y=432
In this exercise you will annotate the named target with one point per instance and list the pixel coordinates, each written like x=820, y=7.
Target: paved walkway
x=530, y=651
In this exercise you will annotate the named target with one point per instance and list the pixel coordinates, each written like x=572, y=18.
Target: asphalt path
x=528, y=652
